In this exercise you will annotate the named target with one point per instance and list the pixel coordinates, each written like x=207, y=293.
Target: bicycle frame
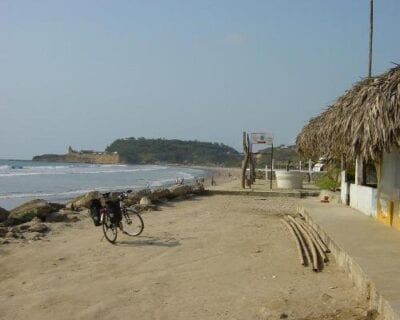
x=103, y=211
x=124, y=223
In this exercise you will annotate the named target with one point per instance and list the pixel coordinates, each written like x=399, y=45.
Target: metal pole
x=249, y=157
x=245, y=160
x=272, y=157
x=250, y=164
x=371, y=30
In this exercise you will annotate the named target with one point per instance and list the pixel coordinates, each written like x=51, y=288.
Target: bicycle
x=116, y=215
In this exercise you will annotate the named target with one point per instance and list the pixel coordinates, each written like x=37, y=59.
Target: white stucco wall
x=363, y=198
x=343, y=187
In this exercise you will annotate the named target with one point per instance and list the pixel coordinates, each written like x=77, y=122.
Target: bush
x=330, y=180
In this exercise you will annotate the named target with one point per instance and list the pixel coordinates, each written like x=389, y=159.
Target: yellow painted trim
x=397, y=220
x=385, y=216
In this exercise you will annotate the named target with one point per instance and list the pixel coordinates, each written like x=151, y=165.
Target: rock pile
x=3, y=214
x=37, y=208
x=32, y=220
x=142, y=199
x=34, y=229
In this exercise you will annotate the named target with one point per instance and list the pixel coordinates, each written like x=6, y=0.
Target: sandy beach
x=208, y=257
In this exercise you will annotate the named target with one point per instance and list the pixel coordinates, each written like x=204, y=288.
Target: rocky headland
x=83, y=156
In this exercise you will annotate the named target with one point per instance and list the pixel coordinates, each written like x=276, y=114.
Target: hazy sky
x=84, y=73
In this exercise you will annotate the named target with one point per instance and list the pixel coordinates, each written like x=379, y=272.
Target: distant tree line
x=282, y=155
x=161, y=151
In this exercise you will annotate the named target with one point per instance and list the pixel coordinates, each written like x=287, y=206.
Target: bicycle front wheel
x=109, y=229
x=132, y=223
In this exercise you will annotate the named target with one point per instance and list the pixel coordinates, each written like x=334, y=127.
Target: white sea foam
x=62, y=170
x=47, y=167
x=61, y=181
x=112, y=165
x=185, y=175
x=68, y=194
x=71, y=193
x=161, y=182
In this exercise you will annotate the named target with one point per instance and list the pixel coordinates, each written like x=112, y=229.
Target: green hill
x=156, y=151
x=282, y=154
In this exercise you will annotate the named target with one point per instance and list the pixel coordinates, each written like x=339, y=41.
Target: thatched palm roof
x=365, y=121
x=310, y=137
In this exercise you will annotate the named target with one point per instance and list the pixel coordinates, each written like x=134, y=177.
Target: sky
x=84, y=73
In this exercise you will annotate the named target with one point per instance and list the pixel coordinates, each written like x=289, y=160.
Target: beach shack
x=363, y=127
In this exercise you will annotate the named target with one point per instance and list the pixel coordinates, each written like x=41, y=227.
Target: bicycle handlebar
x=124, y=195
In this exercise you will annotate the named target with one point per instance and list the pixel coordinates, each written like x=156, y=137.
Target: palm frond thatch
x=365, y=121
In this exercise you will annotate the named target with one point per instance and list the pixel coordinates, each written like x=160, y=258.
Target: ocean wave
x=61, y=182
x=43, y=168
x=64, y=194
x=73, y=171
x=112, y=165
x=41, y=194
x=185, y=175
x=162, y=182
x=72, y=193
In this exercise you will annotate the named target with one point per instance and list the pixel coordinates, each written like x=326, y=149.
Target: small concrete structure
x=362, y=198
x=289, y=179
x=383, y=202
x=261, y=189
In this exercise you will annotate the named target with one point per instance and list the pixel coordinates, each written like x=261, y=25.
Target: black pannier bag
x=114, y=211
x=95, y=213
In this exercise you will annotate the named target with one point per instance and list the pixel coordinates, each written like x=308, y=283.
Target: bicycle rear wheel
x=109, y=229
x=131, y=223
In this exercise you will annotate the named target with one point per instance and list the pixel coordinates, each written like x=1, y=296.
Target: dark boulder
x=197, y=189
x=3, y=214
x=136, y=196
x=3, y=232
x=39, y=227
x=29, y=210
x=178, y=190
x=158, y=194
x=62, y=216
x=84, y=201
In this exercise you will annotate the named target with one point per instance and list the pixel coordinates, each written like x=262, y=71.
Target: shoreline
x=217, y=174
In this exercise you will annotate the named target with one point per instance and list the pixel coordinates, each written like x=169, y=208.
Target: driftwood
x=246, y=160
x=309, y=243
x=297, y=241
x=302, y=242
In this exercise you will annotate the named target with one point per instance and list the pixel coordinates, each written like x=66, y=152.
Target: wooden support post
x=245, y=160
x=272, y=160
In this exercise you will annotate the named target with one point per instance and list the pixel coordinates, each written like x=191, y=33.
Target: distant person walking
x=213, y=182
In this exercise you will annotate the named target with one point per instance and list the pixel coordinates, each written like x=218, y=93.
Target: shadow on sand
x=173, y=202
x=149, y=241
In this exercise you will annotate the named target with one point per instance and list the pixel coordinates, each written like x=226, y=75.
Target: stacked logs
x=311, y=249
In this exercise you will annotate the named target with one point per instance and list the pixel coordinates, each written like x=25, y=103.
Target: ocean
x=23, y=180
